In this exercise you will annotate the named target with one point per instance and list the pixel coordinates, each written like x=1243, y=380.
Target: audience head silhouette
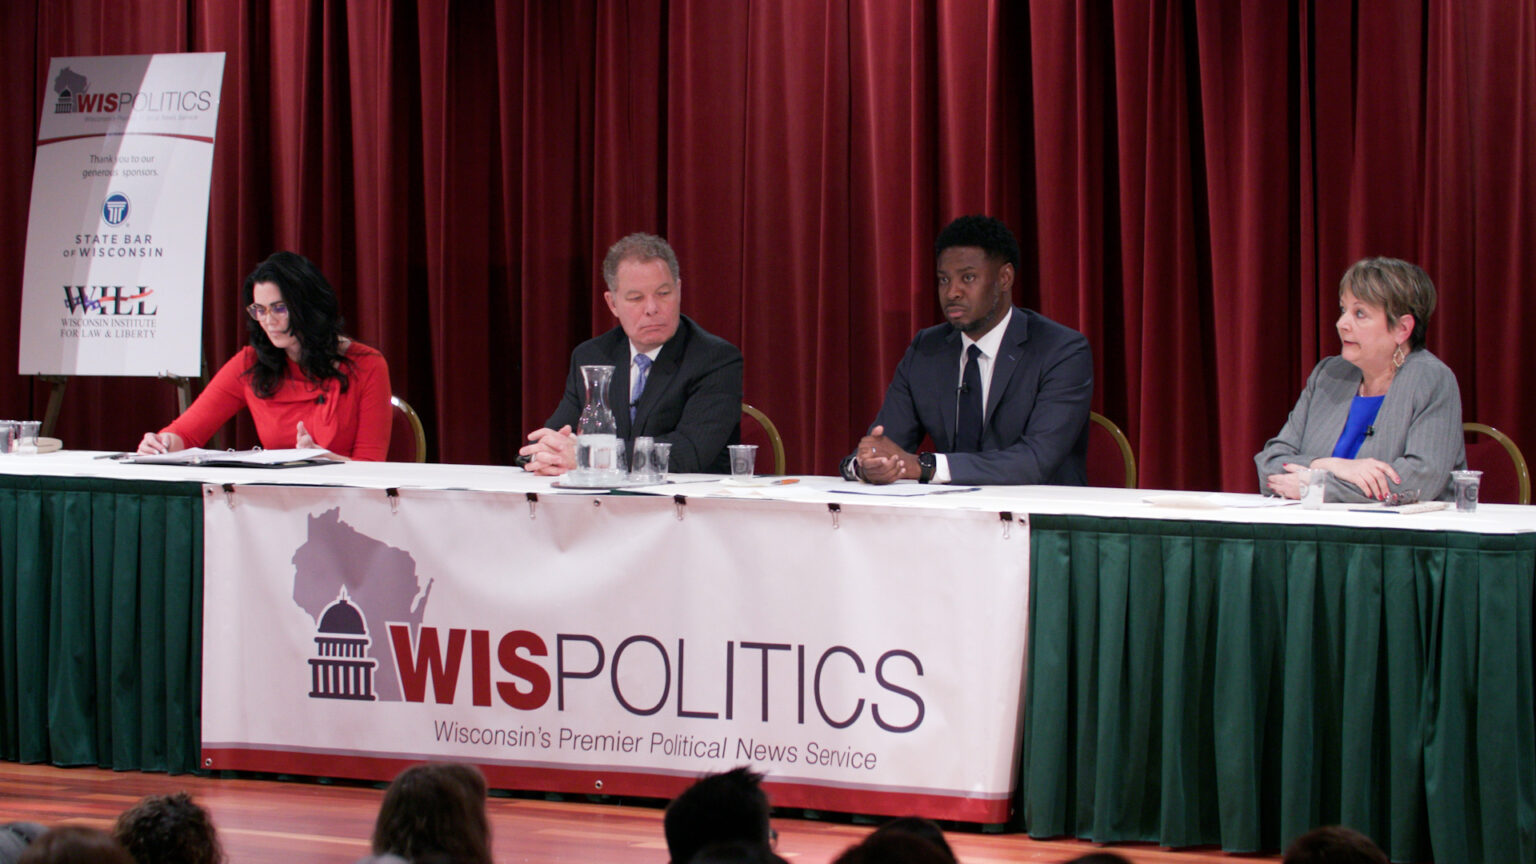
x=75, y=844
x=1334, y=844
x=917, y=826
x=737, y=852
x=720, y=808
x=894, y=847
x=15, y=837
x=168, y=829
x=435, y=812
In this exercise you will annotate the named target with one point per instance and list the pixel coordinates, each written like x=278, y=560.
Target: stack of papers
x=290, y=458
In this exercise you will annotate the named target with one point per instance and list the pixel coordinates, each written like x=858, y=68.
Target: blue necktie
x=968, y=424
x=643, y=365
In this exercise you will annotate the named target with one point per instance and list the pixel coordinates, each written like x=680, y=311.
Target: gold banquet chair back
x=770, y=431
x=1500, y=484
x=407, y=438
x=1101, y=453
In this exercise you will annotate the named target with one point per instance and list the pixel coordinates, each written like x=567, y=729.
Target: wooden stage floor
x=272, y=822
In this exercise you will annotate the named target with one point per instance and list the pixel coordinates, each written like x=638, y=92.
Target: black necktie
x=968, y=426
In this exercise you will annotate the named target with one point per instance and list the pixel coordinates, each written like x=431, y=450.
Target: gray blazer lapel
x=1327, y=424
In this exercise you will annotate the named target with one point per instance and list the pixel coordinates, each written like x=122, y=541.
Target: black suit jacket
x=1036, y=428
x=692, y=397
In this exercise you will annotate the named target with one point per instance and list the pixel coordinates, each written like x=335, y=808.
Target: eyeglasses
x=260, y=312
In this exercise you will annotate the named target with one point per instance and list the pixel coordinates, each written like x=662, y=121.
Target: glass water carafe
x=597, y=440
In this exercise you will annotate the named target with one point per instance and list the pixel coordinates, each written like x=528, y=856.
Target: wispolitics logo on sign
x=74, y=97
x=119, y=214
x=547, y=658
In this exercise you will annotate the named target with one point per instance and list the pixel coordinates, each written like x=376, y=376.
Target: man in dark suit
x=672, y=380
x=1002, y=392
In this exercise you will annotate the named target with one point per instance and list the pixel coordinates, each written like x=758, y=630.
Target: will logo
x=115, y=300
x=66, y=85
x=115, y=209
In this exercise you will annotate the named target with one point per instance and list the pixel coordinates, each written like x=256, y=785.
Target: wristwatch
x=926, y=465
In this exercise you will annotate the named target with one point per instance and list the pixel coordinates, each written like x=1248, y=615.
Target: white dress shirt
x=989, y=343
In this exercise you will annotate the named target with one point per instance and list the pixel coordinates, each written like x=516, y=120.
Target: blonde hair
x=1396, y=287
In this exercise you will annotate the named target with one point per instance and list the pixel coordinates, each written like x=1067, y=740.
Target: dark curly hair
x=1334, y=843
x=989, y=235
x=314, y=318
x=435, y=810
x=168, y=829
x=74, y=844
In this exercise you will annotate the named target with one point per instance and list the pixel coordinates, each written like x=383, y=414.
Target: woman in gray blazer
x=1385, y=415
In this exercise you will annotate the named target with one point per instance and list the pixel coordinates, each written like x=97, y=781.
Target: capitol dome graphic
x=342, y=668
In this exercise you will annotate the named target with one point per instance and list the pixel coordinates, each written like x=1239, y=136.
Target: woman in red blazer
x=306, y=383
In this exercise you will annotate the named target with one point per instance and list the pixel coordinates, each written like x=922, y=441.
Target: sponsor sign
x=617, y=645
x=113, y=280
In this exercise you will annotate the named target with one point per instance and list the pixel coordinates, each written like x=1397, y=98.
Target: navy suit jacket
x=692, y=396
x=1036, y=426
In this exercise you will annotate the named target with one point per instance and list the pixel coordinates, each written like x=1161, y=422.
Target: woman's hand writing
x=160, y=442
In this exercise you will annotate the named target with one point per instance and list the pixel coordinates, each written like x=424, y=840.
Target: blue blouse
x=1362, y=413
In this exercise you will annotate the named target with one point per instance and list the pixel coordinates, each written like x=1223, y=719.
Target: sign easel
x=57, y=384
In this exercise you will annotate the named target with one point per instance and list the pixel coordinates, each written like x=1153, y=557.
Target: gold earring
x=1399, y=356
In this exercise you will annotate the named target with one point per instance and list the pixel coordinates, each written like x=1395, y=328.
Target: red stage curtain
x=1188, y=181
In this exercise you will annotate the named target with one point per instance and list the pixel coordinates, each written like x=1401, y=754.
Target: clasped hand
x=550, y=452
x=882, y=461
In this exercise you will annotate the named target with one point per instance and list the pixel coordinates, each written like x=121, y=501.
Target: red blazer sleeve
x=225, y=395
x=370, y=381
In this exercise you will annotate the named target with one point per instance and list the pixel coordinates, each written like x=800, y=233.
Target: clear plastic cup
x=26, y=436
x=1466, y=483
x=661, y=454
x=743, y=459
x=1314, y=484
x=641, y=463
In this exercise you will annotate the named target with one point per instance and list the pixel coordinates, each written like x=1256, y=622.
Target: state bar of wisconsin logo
x=350, y=584
x=114, y=210
x=66, y=84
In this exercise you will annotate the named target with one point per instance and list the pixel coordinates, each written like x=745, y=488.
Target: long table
x=1228, y=676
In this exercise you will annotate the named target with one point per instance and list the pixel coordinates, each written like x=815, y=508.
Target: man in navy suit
x=672, y=380
x=1002, y=392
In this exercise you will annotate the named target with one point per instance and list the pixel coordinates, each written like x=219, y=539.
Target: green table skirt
x=1215, y=683
x=100, y=622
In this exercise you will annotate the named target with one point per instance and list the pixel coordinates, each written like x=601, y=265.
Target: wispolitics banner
x=607, y=645
x=113, y=281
